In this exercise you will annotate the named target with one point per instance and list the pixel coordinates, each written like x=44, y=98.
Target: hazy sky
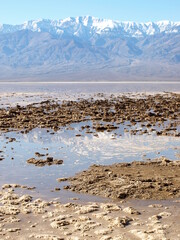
x=18, y=11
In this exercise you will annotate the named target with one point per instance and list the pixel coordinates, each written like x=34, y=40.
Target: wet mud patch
x=47, y=162
x=155, y=179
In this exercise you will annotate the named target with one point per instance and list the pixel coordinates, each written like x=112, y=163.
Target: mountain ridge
x=99, y=26
x=90, y=49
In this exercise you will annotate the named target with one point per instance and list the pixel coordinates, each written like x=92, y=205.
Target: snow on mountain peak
x=83, y=25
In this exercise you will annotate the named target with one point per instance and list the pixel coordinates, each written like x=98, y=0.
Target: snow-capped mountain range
x=88, y=48
x=80, y=26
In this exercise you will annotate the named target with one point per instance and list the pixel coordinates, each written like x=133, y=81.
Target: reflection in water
x=78, y=154
x=105, y=146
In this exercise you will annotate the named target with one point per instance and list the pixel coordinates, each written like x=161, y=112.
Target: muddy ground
x=155, y=183
x=151, y=113
x=155, y=179
x=22, y=217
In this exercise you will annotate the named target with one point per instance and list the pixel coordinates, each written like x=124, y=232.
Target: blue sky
x=18, y=11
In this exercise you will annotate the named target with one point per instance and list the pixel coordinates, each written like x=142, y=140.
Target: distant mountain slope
x=87, y=49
